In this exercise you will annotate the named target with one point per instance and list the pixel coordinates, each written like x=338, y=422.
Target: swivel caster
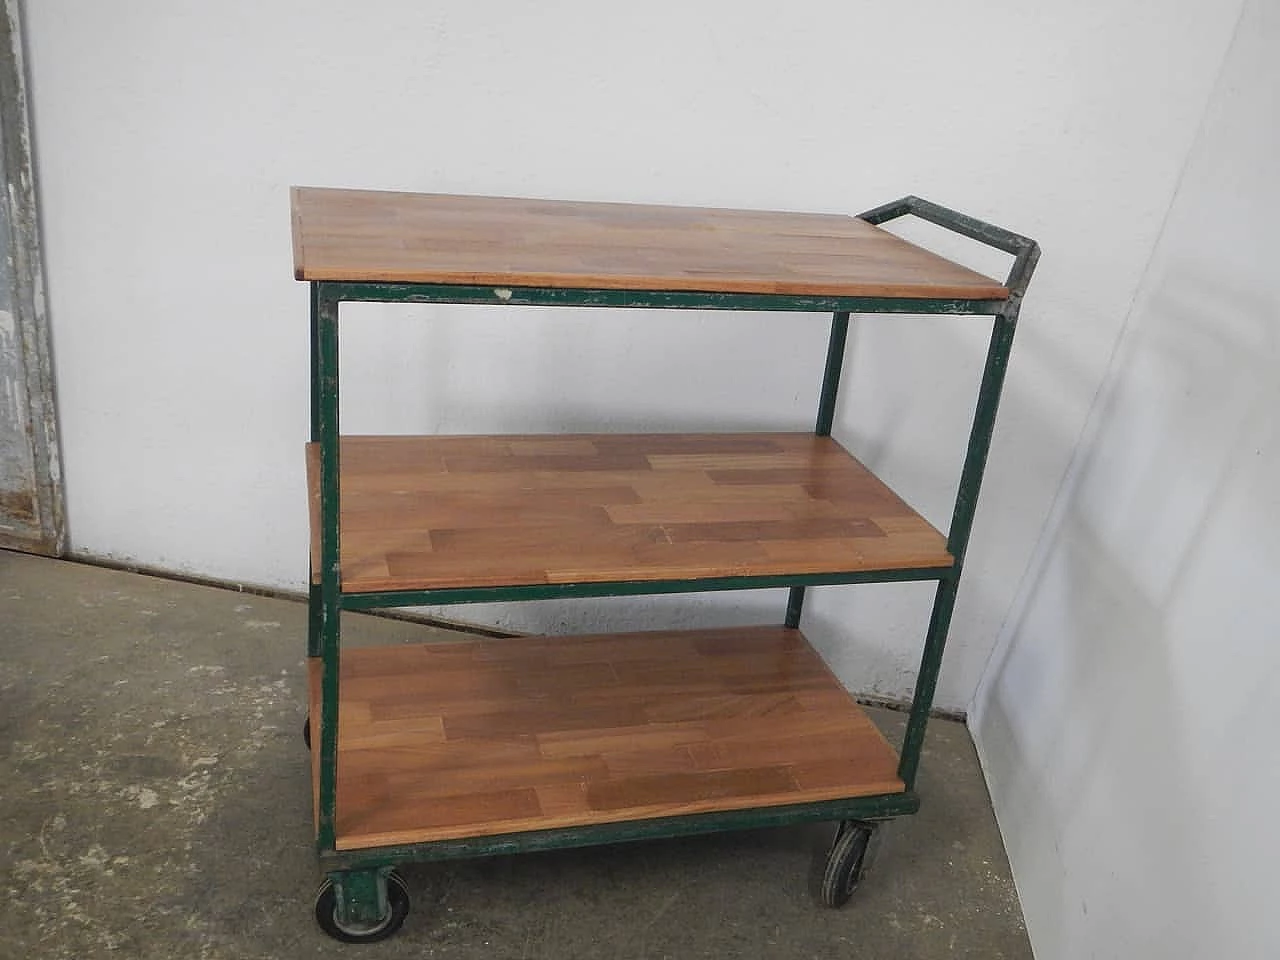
x=845, y=862
x=354, y=931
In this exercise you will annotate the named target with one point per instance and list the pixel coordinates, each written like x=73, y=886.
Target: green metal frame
x=361, y=895
x=645, y=299
x=882, y=807
x=360, y=875
x=624, y=588
x=1026, y=254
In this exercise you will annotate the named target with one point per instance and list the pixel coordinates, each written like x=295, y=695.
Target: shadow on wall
x=1114, y=734
x=909, y=419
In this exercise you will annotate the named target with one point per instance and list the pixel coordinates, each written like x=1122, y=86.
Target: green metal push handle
x=1026, y=252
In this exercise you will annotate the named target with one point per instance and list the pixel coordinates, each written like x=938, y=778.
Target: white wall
x=168, y=130
x=1127, y=727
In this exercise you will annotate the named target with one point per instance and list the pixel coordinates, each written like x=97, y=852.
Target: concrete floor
x=155, y=802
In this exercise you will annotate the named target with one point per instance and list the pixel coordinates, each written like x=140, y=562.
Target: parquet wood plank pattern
x=368, y=235
x=438, y=512
x=440, y=741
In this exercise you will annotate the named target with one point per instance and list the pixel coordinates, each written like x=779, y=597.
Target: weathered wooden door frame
x=32, y=518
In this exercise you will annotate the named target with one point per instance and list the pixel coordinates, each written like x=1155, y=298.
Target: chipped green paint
x=879, y=807
x=622, y=588
x=360, y=895
x=648, y=299
x=328, y=609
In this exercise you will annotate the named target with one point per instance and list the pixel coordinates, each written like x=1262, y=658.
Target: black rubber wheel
x=844, y=864
x=306, y=731
x=397, y=910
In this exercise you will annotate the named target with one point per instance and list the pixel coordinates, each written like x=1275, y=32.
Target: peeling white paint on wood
x=31, y=510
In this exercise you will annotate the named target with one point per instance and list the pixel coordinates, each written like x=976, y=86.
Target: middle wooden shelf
x=442, y=512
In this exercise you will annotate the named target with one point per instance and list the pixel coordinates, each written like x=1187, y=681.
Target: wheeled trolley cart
x=434, y=751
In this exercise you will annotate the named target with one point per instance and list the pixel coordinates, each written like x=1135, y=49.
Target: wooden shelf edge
x=363, y=236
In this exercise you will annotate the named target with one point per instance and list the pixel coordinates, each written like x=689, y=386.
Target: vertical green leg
x=360, y=896
x=327, y=608
x=826, y=417
x=315, y=617
x=795, y=605
x=927, y=680
x=316, y=392
x=314, y=613
x=831, y=376
x=958, y=541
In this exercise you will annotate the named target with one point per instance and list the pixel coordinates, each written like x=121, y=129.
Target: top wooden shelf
x=377, y=236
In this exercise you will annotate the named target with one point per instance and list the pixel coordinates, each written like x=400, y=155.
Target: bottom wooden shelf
x=441, y=741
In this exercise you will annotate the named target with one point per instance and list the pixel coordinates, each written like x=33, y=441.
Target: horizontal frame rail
x=880, y=807
x=627, y=588
x=346, y=291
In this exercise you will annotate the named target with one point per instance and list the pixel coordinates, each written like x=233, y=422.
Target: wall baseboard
x=904, y=706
